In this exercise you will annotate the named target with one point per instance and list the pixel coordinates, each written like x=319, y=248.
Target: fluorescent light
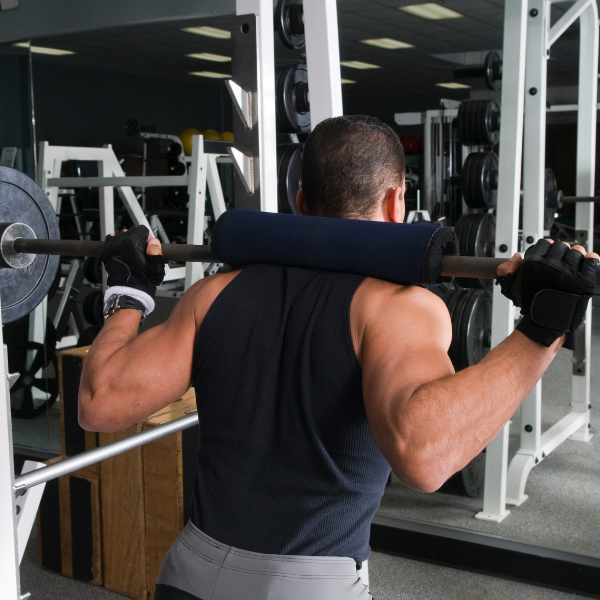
x=209, y=56
x=387, y=43
x=430, y=10
x=211, y=74
x=212, y=32
x=452, y=85
x=357, y=64
x=43, y=50
x=347, y=81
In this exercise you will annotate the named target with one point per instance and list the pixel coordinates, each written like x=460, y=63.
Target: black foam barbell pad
x=401, y=253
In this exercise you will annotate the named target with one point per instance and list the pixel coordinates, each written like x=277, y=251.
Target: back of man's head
x=348, y=165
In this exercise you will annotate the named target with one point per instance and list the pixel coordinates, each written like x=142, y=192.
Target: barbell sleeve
x=451, y=266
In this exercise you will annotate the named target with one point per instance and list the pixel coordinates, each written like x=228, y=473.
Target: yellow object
x=227, y=136
x=186, y=139
x=212, y=134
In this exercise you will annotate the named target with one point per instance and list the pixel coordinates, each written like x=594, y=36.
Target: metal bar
x=567, y=20
x=452, y=266
x=85, y=459
x=150, y=181
x=572, y=199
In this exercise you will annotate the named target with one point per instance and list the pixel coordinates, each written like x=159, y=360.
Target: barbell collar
x=452, y=266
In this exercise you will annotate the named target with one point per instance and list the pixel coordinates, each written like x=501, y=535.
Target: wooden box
x=69, y=533
x=144, y=501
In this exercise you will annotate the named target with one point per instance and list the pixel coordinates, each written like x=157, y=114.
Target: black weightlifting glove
x=127, y=264
x=552, y=287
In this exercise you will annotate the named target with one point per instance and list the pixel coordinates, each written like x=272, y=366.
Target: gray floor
x=563, y=508
x=392, y=578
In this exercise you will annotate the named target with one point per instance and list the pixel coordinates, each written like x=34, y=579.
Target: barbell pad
x=400, y=253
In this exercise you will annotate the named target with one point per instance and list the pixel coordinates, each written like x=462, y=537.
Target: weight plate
x=92, y=269
x=23, y=201
x=88, y=336
x=477, y=236
x=550, y=185
x=492, y=118
x=289, y=23
x=477, y=327
x=93, y=307
x=492, y=71
x=289, y=174
x=293, y=110
x=477, y=122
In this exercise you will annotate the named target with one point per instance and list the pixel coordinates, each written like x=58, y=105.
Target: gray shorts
x=197, y=567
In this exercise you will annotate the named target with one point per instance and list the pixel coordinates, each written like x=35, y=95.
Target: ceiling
x=159, y=50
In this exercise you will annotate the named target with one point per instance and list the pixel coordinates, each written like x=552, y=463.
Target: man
x=310, y=385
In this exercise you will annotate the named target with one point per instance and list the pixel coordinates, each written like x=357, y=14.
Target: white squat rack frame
x=528, y=38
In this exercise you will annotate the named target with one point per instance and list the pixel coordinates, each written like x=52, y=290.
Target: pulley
x=293, y=103
x=25, y=212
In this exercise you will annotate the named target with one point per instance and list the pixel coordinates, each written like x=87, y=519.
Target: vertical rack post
x=507, y=222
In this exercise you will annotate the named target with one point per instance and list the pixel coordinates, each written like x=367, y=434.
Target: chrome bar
x=85, y=459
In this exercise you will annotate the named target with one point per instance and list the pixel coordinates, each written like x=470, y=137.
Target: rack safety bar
x=85, y=459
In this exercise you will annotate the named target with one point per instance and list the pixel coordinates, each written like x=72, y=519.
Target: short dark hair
x=348, y=164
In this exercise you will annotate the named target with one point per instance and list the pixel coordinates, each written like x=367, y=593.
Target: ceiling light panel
x=453, y=85
x=347, y=81
x=44, y=50
x=213, y=32
x=357, y=64
x=387, y=43
x=211, y=57
x=211, y=74
x=431, y=11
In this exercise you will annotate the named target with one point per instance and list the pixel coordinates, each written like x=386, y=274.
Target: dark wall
x=82, y=107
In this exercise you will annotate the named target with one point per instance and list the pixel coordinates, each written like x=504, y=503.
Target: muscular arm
x=427, y=420
x=127, y=377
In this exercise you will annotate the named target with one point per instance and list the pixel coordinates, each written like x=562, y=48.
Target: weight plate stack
x=289, y=23
x=479, y=180
x=478, y=122
x=289, y=174
x=293, y=103
x=550, y=185
x=471, y=315
x=23, y=201
x=476, y=233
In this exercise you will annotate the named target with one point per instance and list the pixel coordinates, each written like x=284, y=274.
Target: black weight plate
x=92, y=269
x=478, y=327
x=289, y=117
x=489, y=182
x=455, y=353
x=550, y=185
x=23, y=201
x=461, y=229
x=289, y=174
x=479, y=127
x=492, y=136
x=479, y=242
x=93, y=306
x=493, y=71
x=292, y=39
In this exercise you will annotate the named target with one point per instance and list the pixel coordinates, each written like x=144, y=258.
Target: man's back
x=287, y=463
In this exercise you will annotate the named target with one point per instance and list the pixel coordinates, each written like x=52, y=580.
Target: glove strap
x=123, y=290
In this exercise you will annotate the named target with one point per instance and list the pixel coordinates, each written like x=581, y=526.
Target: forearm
x=103, y=365
x=447, y=422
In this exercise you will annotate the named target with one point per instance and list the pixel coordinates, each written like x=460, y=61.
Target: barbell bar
x=14, y=249
x=555, y=199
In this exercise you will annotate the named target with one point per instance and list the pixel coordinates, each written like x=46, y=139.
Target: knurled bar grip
x=452, y=266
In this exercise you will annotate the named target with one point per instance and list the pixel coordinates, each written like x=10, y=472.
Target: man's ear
x=301, y=203
x=396, y=207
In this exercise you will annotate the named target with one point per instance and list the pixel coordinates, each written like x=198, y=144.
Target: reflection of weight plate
x=293, y=104
x=550, y=185
x=478, y=122
x=476, y=233
x=471, y=314
x=479, y=180
x=469, y=481
x=289, y=23
x=23, y=201
x=289, y=173
x=93, y=308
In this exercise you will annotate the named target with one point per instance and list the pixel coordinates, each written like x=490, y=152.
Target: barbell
x=418, y=254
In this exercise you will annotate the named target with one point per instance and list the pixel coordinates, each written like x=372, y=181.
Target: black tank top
x=287, y=463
